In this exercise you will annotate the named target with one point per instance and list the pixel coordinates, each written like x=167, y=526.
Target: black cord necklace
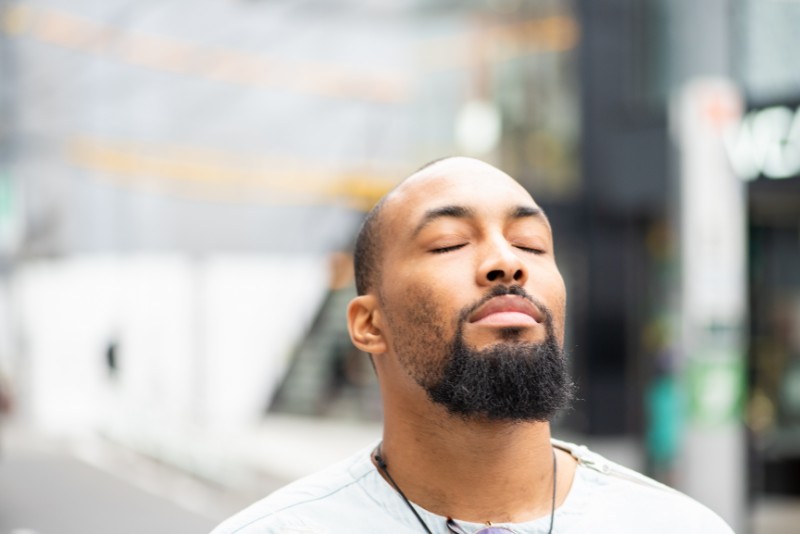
x=381, y=463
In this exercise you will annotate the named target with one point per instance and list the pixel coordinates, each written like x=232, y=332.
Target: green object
x=715, y=381
x=6, y=195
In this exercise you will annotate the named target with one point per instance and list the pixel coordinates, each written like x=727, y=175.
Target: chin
x=507, y=334
x=516, y=334
x=512, y=333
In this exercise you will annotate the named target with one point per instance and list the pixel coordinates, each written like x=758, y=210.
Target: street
x=45, y=493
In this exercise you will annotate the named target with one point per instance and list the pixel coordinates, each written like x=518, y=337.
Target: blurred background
x=180, y=187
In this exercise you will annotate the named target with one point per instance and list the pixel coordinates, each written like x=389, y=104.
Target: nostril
x=494, y=275
x=517, y=275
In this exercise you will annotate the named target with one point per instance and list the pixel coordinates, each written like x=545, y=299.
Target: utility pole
x=712, y=221
x=710, y=214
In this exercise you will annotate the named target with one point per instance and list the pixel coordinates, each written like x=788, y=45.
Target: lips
x=507, y=310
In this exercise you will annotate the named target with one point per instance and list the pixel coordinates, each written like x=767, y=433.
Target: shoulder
x=632, y=501
x=307, y=505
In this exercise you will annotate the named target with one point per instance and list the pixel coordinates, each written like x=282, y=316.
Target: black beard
x=509, y=381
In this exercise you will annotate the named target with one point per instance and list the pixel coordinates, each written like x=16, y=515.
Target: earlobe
x=364, y=324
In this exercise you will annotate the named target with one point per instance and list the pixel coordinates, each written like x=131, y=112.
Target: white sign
x=766, y=142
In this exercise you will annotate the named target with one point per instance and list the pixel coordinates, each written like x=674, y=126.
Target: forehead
x=462, y=182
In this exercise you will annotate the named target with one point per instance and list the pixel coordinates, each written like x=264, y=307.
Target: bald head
x=432, y=179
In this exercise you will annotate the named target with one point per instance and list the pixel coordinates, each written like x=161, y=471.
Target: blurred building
x=176, y=178
x=767, y=155
x=635, y=58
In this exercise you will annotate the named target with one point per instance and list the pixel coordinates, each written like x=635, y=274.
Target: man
x=461, y=305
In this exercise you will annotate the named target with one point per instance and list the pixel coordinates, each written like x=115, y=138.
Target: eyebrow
x=457, y=212
x=520, y=212
x=463, y=212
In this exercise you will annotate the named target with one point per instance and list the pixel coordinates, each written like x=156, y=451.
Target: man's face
x=473, y=300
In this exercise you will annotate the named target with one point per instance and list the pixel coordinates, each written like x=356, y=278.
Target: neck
x=473, y=470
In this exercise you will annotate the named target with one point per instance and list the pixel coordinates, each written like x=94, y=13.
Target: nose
x=501, y=264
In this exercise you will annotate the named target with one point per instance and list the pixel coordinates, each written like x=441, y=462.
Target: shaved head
x=370, y=239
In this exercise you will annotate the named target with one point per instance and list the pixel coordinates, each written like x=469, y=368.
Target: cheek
x=560, y=319
x=419, y=307
x=409, y=307
x=416, y=333
x=411, y=288
x=557, y=302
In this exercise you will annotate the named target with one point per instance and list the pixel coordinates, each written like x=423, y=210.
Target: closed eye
x=451, y=248
x=530, y=249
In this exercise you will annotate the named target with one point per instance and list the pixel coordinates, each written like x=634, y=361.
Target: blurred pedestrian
x=6, y=403
x=5, y=396
x=461, y=306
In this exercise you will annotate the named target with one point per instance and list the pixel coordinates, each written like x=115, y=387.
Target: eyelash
x=531, y=250
x=444, y=250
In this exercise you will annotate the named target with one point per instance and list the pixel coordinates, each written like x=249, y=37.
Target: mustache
x=501, y=291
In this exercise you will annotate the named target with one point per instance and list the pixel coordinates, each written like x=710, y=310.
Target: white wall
x=202, y=342
x=6, y=344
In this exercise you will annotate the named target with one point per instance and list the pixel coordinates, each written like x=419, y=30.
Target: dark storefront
x=773, y=415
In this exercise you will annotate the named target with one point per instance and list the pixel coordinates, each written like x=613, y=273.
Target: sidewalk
x=213, y=474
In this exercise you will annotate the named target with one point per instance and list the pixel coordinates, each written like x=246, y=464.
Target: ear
x=364, y=321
